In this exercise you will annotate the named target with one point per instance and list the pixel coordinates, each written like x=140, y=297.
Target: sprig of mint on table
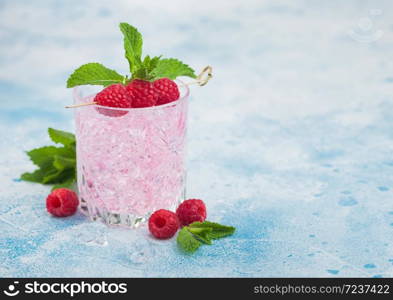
x=148, y=68
x=191, y=237
x=56, y=165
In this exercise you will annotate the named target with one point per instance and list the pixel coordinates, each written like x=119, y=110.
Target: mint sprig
x=191, y=237
x=56, y=165
x=146, y=69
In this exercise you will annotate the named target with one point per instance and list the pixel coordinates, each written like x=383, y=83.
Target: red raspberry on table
x=163, y=224
x=116, y=96
x=167, y=91
x=142, y=93
x=190, y=211
x=62, y=202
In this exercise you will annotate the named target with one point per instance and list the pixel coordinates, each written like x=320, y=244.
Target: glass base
x=117, y=219
x=109, y=218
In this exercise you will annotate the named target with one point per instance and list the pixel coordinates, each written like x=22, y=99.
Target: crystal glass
x=130, y=162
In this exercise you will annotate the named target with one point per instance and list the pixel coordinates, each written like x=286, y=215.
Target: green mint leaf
x=151, y=63
x=154, y=61
x=171, y=68
x=201, y=234
x=199, y=230
x=132, y=45
x=94, y=74
x=52, y=177
x=146, y=61
x=61, y=137
x=217, y=230
x=187, y=241
x=61, y=163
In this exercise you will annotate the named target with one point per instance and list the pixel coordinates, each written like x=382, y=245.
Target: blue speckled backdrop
x=292, y=141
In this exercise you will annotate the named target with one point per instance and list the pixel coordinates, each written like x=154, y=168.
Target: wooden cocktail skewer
x=202, y=79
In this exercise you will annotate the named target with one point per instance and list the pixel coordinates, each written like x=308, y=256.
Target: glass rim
x=155, y=107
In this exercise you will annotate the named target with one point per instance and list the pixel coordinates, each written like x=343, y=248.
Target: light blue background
x=291, y=142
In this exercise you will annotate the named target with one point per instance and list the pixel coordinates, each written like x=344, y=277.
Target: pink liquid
x=130, y=165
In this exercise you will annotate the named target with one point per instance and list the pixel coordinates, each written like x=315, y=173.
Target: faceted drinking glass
x=130, y=162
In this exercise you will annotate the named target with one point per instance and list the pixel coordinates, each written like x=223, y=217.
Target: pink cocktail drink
x=131, y=162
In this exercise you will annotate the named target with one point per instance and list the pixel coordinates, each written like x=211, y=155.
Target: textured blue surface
x=291, y=142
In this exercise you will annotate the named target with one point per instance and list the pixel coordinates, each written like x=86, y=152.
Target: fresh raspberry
x=114, y=95
x=142, y=93
x=62, y=202
x=167, y=91
x=163, y=224
x=190, y=211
